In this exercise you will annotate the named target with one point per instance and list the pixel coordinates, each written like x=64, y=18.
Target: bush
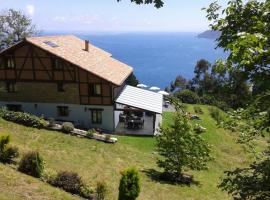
x=7, y=153
x=32, y=164
x=90, y=133
x=187, y=96
x=216, y=114
x=198, y=110
x=51, y=122
x=207, y=99
x=67, y=127
x=71, y=182
x=23, y=118
x=108, y=137
x=129, y=187
x=222, y=105
x=101, y=190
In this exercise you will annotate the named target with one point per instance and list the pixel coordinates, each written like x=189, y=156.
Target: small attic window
x=51, y=44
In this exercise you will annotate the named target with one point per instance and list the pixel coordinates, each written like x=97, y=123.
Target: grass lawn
x=99, y=161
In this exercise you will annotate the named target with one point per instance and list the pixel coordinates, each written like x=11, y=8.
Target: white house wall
x=79, y=114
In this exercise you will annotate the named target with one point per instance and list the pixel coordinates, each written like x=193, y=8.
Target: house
x=68, y=79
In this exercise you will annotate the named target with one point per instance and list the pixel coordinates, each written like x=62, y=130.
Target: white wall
x=78, y=114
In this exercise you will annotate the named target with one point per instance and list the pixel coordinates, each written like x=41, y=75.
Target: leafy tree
x=132, y=80
x=187, y=96
x=14, y=26
x=157, y=3
x=129, y=187
x=245, y=35
x=181, y=148
x=251, y=183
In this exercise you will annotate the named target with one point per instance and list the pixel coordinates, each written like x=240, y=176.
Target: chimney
x=86, y=45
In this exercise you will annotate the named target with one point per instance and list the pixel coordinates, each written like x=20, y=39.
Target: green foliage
x=71, y=182
x=251, y=183
x=7, y=153
x=181, y=148
x=216, y=114
x=129, y=187
x=157, y=3
x=23, y=118
x=245, y=36
x=187, y=96
x=90, y=133
x=32, y=164
x=14, y=26
x=67, y=127
x=198, y=110
x=107, y=137
x=132, y=80
x=101, y=190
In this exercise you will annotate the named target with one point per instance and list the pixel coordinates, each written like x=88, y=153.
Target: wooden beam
x=18, y=76
x=33, y=63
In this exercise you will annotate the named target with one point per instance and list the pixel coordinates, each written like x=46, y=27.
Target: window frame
x=11, y=87
x=62, y=111
x=10, y=62
x=57, y=64
x=96, y=116
x=93, y=89
x=60, y=87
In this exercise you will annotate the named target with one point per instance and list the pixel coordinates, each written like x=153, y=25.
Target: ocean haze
x=157, y=58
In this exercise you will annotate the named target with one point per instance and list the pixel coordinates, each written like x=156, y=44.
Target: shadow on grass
x=161, y=177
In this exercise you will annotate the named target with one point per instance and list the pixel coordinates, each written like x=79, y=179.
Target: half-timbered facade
x=64, y=78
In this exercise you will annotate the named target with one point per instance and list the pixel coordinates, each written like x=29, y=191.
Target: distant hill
x=209, y=34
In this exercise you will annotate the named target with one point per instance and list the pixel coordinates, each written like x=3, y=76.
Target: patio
x=138, y=112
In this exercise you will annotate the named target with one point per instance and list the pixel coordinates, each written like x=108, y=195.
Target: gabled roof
x=95, y=61
x=141, y=98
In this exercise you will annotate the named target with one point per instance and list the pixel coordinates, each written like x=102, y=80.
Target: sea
x=157, y=58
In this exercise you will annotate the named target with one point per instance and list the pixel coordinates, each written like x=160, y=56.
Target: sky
x=111, y=16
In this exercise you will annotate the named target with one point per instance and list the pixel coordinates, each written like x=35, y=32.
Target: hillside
x=99, y=161
x=209, y=34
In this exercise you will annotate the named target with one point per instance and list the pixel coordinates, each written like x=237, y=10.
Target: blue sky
x=110, y=16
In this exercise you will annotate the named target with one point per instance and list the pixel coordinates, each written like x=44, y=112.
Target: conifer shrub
x=129, y=187
x=7, y=153
x=32, y=164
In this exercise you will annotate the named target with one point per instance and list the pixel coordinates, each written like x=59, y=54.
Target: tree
x=251, y=183
x=129, y=187
x=245, y=35
x=181, y=148
x=14, y=26
x=157, y=3
x=132, y=80
x=187, y=96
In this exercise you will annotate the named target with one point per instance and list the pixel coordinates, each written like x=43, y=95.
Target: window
x=11, y=87
x=60, y=87
x=10, y=63
x=57, y=64
x=95, y=89
x=96, y=116
x=15, y=108
x=62, y=111
x=51, y=44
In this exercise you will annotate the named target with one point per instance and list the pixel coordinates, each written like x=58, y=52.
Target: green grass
x=99, y=161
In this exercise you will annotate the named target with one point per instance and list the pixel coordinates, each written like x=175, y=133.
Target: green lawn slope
x=96, y=161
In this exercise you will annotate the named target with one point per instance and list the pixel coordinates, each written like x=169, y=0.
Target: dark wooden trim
x=43, y=65
x=79, y=85
x=33, y=63
x=24, y=62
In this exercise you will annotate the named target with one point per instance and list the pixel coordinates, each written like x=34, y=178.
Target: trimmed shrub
x=101, y=190
x=7, y=153
x=129, y=187
x=188, y=96
x=216, y=114
x=90, y=133
x=198, y=110
x=71, y=182
x=32, y=164
x=67, y=127
x=23, y=118
x=207, y=99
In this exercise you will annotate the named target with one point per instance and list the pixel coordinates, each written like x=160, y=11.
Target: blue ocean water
x=157, y=58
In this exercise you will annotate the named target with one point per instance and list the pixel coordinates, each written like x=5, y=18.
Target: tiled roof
x=96, y=61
